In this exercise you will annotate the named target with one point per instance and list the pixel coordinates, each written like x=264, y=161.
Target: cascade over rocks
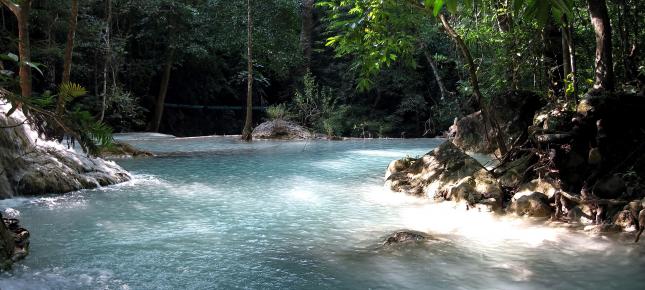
x=31, y=165
x=446, y=173
x=281, y=129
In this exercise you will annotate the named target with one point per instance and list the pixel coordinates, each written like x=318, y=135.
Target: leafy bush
x=123, y=110
x=318, y=108
x=278, y=112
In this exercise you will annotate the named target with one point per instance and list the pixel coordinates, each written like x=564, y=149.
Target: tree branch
x=13, y=7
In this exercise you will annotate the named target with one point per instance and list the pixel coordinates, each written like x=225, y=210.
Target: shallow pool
x=217, y=213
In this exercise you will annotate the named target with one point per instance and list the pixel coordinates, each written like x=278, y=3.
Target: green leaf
x=9, y=57
x=34, y=66
x=438, y=4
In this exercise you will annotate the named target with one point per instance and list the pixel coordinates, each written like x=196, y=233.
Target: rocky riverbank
x=581, y=167
x=14, y=242
x=33, y=165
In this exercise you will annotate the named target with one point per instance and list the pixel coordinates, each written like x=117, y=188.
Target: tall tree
x=604, y=71
x=163, y=89
x=21, y=10
x=306, y=31
x=248, y=123
x=108, y=56
x=69, y=47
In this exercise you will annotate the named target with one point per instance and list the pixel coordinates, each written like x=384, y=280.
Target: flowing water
x=217, y=213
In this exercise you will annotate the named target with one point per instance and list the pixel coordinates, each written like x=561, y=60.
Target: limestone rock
x=603, y=228
x=405, y=236
x=281, y=129
x=30, y=164
x=513, y=112
x=533, y=205
x=14, y=242
x=545, y=186
x=512, y=173
x=625, y=219
x=446, y=173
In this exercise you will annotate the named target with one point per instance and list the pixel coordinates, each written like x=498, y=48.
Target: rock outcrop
x=32, y=165
x=14, y=242
x=512, y=111
x=535, y=204
x=446, y=173
x=405, y=236
x=281, y=129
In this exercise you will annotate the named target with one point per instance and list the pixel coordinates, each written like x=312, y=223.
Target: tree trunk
x=108, y=56
x=624, y=17
x=163, y=90
x=553, y=58
x=505, y=24
x=69, y=47
x=246, y=132
x=435, y=71
x=24, y=49
x=569, y=57
x=306, y=32
x=604, y=71
x=474, y=82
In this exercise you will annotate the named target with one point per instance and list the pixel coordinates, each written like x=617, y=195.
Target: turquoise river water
x=215, y=213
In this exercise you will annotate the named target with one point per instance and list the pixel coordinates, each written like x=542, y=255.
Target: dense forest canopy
x=346, y=68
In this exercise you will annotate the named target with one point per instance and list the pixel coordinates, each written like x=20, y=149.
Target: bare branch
x=15, y=9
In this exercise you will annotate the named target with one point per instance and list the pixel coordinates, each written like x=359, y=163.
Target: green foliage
x=318, y=108
x=375, y=32
x=278, y=112
x=124, y=111
x=70, y=91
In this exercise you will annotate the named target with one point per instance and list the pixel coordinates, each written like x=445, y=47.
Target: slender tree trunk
x=163, y=91
x=569, y=57
x=108, y=56
x=24, y=49
x=604, y=71
x=505, y=24
x=248, y=123
x=624, y=18
x=306, y=32
x=474, y=82
x=435, y=71
x=69, y=47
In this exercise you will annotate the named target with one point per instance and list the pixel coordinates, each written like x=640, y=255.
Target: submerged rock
x=281, y=129
x=31, y=165
x=14, y=242
x=405, y=236
x=446, y=173
x=123, y=150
